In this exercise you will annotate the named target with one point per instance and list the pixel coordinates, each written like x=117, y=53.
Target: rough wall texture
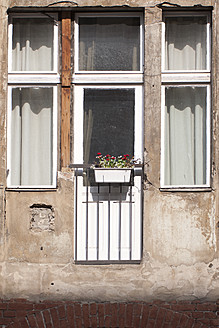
x=180, y=231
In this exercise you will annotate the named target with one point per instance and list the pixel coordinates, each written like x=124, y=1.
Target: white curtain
x=185, y=43
x=31, y=136
x=32, y=45
x=185, y=136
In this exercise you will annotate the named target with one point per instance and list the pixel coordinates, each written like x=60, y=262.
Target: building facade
x=118, y=77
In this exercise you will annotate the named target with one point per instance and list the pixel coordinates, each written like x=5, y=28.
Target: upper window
x=32, y=105
x=185, y=155
x=108, y=42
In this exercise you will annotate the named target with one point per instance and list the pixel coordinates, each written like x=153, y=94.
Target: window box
x=103, y=175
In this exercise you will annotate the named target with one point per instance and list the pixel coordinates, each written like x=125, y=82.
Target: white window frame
x=35, y=79
x=79, y=118
x=80, y=76
x=208, y=125
x=189, y=78
x=54, y=137
x=33, y=76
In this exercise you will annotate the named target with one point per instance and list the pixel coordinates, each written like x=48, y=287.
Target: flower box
x=112, y=175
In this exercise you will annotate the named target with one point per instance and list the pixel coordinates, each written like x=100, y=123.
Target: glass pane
x=32, y=44
x=109, y=44
x=31, y=136
x=108, y=122
x=185, y=136
x=186, y=43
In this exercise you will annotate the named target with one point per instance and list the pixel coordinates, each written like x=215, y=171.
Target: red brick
x=9, y=313
x=100, y=315
x=183, y=307
x=47, y=317
x=107, y=321
x=23, y=323
x=137, y=308
x=5, y=321
x=183, y=321
x=114, y=311
x=153, y=312
x=61, y=312
x=198, y=315
x=85, y=310
x=40, y=306
x=175, y=319
x=93, y=322
x=151, y=324
x=77, y=307
x=190, y=323
x=39, y=319
x=197, y=325
x=160, y=317
x=3, y=306
x=70, y=315
x=207, y=307
x=168, y=316
x=93, y=308
x=31, y=319
x=145, y=314
x=122, y=312
x=78, y=322
x=129, y=313
x=20, y=306
x=210, y=315
x=54, y=317
x=214, y=322
x=64, y=324
x=107, y=308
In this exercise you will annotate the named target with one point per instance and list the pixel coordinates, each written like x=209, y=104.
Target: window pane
x=108, y=122
x=186, y=43
x=32, y=44
x=109, y=44
x=31, y=136
x=185, y=136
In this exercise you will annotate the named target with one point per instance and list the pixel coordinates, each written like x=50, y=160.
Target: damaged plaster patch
x=42, y=218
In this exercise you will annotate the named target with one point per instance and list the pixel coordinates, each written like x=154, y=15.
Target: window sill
x=186, y=189
x=31, y=189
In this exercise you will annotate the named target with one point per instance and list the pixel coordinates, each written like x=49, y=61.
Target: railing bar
x=98, y=216
x=109, y=223
x=120, y=218
x=76, y=217
x=91, y=202
x=87, y=215
x=130, y=225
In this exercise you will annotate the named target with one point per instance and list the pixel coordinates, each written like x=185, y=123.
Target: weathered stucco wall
x=180, y=229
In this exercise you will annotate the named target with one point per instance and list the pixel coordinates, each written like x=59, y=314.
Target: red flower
x=107, y=159
x=98, y=154
x=127, y=155
x=107, y=155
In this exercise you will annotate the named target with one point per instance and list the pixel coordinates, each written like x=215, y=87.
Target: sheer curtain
x=185, y=43
x=104, y=42
x=32, y=44
x=31, y=136
x=185, y=136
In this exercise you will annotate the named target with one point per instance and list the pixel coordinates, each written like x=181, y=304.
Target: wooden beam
x=66, y=89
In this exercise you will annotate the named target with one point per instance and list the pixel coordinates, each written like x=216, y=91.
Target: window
x=185, y=158
x=32, y=112
x=108, y=118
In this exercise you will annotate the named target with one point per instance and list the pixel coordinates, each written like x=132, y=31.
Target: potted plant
x=112, y=169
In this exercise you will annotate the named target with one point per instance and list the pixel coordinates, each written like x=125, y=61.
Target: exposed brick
x=176, y=319
x=61, y=312
x=77, y=308
x=197, y=314
x=168, y=316
x=101, y=315
x=153, y=312
x=183, y=321
x=145, y=314
x=70, y=315
x=23, y=323
x=5, y=321
x=78, y=322
x=214, y=322
x=54, y=317
x=107, y=321
x=93, y=322
x=39, y=320
x=85, y=310
x=207, y=307
x=183, y=307
x=210, y=315
x=64, y=324
x=160, y=317
x=114, y=311
x=151, y=324
x=20, y=306
x=3, y=306
x=129, y=313
x=47, y=317
x=107, y=308
x=93, y=308
x=31, y=319
x=9, y=313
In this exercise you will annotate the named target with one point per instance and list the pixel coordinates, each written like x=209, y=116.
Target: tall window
x=186, y=100
x=108, y=56
x=32, y=117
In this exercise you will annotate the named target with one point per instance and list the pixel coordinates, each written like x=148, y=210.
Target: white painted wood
x=105, y=245
x=183, y=77
x=44, y=78
x=107, y=77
